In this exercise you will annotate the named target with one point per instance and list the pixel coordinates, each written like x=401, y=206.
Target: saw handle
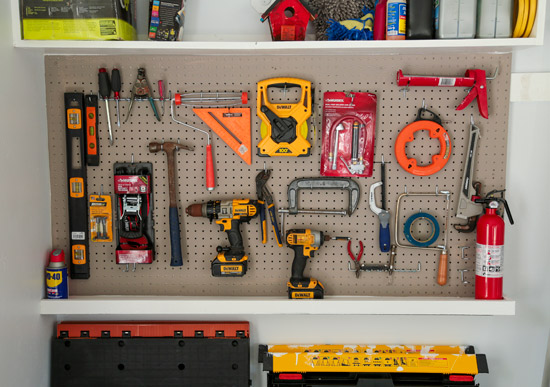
x=175, y=243
x=210, y=179
x=442, y=268
x=384, y=237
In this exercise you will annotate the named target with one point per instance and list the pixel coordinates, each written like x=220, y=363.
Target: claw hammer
x=170, y=148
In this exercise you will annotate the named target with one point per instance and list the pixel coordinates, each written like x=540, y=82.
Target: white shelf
x=331, y=305
x=262, y=47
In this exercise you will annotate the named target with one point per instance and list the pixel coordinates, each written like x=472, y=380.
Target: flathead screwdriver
x=105, y=92
x=116, y=85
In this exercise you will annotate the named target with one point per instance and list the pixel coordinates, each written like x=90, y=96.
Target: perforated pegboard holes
x=269, y=265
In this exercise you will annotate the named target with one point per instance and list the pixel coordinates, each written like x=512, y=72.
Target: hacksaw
x=232, y=125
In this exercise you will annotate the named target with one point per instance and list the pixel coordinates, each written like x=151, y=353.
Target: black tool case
x=203, y=360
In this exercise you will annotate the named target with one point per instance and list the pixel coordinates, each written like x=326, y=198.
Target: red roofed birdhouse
x=288, y=19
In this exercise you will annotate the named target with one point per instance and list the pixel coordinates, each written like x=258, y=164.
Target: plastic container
x=455, y=19
x=396, y=19
x=379, y=32
x=420, y=23
x=494, y=19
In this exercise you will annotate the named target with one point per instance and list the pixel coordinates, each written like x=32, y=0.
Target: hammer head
x=168, y=147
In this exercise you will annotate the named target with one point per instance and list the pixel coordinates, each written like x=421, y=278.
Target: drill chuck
x=196, y=210
x=210, y=210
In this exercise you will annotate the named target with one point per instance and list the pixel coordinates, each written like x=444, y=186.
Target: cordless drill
x=229, y=214
x=304, y=243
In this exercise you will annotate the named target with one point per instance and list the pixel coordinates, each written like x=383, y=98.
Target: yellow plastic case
x=288, y=112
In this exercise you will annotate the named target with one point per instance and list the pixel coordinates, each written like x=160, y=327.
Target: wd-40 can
x=56, y=276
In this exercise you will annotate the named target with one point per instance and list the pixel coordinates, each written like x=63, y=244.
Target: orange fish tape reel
x=435, y=130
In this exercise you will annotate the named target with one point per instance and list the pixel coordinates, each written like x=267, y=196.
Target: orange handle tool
x=210, y=179
x=442, y=268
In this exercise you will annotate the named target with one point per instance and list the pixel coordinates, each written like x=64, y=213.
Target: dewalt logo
x=302, y=295
x=231, y=269
x=282, y=150
x=284, y=107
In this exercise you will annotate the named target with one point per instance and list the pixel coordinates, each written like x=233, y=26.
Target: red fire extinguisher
x=490, y=250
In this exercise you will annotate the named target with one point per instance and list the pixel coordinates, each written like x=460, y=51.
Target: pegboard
x=269, y=265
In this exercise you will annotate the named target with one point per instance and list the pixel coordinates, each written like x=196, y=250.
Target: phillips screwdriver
x=116, y=85
x=105, y=92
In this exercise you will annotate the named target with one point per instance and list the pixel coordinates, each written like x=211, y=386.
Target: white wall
x=25, y=231
x=516, y=346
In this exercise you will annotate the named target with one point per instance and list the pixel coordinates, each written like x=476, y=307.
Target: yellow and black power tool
x=304, y=243
x=230, y=261
x=284, y=127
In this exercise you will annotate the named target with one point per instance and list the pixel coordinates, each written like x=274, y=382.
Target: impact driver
x=229, y=214
x=304, y=243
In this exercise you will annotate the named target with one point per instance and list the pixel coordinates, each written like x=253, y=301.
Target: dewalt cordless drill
x=304, y=243
x=229, y=214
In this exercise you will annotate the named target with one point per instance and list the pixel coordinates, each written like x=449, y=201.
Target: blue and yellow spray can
x=56, y=276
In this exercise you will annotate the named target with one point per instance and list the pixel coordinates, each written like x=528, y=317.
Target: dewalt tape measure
x=436, y=131
x=284, y=127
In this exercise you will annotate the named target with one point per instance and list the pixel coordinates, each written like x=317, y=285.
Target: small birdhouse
x=288, y=19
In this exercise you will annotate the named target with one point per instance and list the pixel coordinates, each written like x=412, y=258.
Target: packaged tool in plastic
x=134, y=204
x=101, y=218
x=78, y=19
x=166, y=19
x=349, y=124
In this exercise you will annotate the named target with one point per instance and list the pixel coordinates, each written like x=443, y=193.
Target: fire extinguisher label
x=489, y=261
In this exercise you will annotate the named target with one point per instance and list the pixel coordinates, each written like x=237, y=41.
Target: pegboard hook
x=494, y=75
x=462, y=255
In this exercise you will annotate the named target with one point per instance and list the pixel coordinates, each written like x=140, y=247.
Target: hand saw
x=284, y=125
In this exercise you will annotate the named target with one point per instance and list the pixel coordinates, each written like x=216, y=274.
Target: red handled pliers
x=357, y=258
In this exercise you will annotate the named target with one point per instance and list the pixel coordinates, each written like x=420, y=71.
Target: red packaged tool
x=134, y=204
x=349, y=124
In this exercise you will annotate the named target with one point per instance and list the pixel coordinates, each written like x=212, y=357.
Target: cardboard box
x=78, y=19
x=166, y=19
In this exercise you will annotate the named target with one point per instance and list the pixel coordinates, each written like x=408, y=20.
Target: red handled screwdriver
x=105, y=92
x=116, y=85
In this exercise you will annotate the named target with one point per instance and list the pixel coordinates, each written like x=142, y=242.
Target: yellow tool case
x=362, y=365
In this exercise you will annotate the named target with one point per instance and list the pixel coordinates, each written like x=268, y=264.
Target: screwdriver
x=105, y=92
x=116, y=85
x=161, y=92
